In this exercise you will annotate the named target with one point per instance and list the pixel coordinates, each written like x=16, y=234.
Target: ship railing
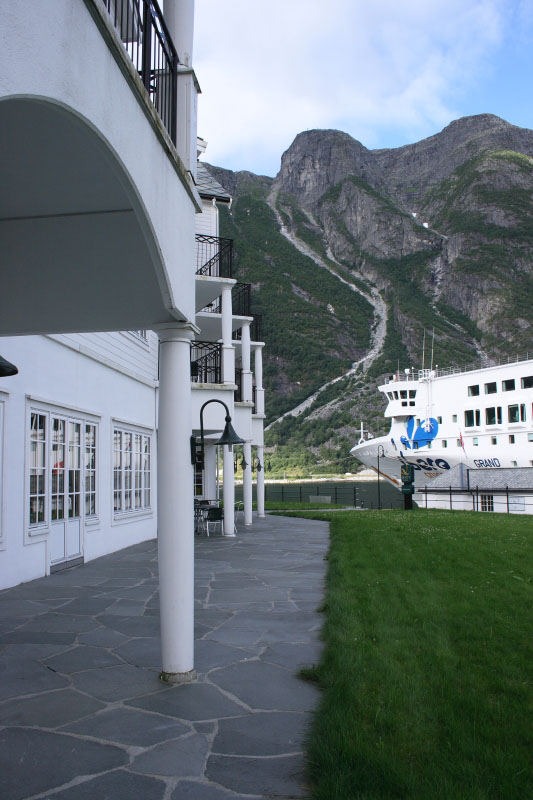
x=438, y=372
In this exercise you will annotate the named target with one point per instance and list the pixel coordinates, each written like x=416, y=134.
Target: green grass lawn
x=427, y=662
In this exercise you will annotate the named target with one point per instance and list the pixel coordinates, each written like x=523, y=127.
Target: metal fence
x=504, y=500
x=214, y=256
x=141, y=26
x=206, y=360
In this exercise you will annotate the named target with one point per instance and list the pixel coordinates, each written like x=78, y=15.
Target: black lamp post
x=380, y=447
x=7, y=368
x=229, y=436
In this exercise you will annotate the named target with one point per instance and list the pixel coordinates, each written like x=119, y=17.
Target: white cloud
x=269, y=71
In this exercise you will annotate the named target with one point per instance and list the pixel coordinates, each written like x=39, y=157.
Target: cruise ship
x=479, y=416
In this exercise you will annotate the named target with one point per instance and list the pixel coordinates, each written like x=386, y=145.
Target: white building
x=99, y=205
x=502, y=490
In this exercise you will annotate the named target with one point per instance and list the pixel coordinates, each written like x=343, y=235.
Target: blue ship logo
x=424, y=434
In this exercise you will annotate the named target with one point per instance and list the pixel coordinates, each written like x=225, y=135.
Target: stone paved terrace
x=83, y=715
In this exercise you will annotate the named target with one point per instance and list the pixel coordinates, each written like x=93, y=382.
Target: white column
x=247, y=483
x=245, y=357
x=228, y=491
x=259, y=391
x=260, y=488
x=179, y=18
x=210, y=472
x=175, y=506
x=228, y=353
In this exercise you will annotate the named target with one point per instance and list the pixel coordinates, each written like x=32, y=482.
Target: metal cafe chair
x=214, y=516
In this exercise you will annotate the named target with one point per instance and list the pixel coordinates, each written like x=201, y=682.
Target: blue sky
x=388, y=72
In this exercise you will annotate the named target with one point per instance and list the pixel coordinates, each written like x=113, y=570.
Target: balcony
x=141, y=27
x=240, y=302
x=256, y=329
x=206, y=361
x=214, y=256
x=237, y=395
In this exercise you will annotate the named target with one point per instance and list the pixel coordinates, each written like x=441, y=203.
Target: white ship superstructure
x=481, y=417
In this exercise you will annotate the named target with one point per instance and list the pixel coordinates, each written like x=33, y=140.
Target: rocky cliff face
x=433, y=239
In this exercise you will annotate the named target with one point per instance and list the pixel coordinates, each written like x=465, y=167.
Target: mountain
x=356, y=257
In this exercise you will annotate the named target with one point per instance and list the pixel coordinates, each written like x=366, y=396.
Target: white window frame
x=49, y=411
x=128, y=507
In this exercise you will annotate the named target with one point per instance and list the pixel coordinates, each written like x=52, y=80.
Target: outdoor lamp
x=7, y=368
x=229, y=436
x=244, y=463
x=259, y=466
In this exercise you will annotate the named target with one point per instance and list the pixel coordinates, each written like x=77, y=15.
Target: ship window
x=439, y=420
x=412, y=402
x=473, y=391
x=513, y=413
x=514, y=463
x=412, y=392
x=396, y=396
x=390, y=395
x=511, y=438
x=454, y=418
x=491, y=388
x=403, y=394
x=494, y=440
x=444, y=443
x=458, y=441
x=527, y=382
x=508, y=386
x=404, y=402
x=493, y=415
x=429, y=445
x=522, y=412
x=469, y=418
x=487, y=502
x=475, y=441
x=530, y=437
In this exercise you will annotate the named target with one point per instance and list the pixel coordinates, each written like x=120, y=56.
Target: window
x=444, y=443
x=141, y=334
x=511, y=438
x=459, y=443
x=37, y=468
x=62, y=461
x=131, y=471
x=530, y=437
x=472, y=417
x=395, y=395
x=508, y=385
x=491, y=388
x=390, y=395
x=439, y=420
x=412, y=394
x=516, y=412
x=475, y=441
x=403, y=394
x=527, y=382
x=454, y=418
x=514, y=463
x=90, y=470
x=487, y=502
x=473, y=391
x=494, y=440
x=493, y=415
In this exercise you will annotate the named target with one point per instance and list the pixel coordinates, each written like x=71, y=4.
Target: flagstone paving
x=83, y=715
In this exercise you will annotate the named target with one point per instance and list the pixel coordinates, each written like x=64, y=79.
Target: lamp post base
x=178, y=677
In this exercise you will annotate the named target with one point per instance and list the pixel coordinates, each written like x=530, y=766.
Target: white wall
x=60, y=379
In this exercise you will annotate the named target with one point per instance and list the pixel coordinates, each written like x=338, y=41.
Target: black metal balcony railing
x=142, y=29
x=256, y=329
x=237, y=394
x=240, y=299
x=214, y=256
x=206, y=360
